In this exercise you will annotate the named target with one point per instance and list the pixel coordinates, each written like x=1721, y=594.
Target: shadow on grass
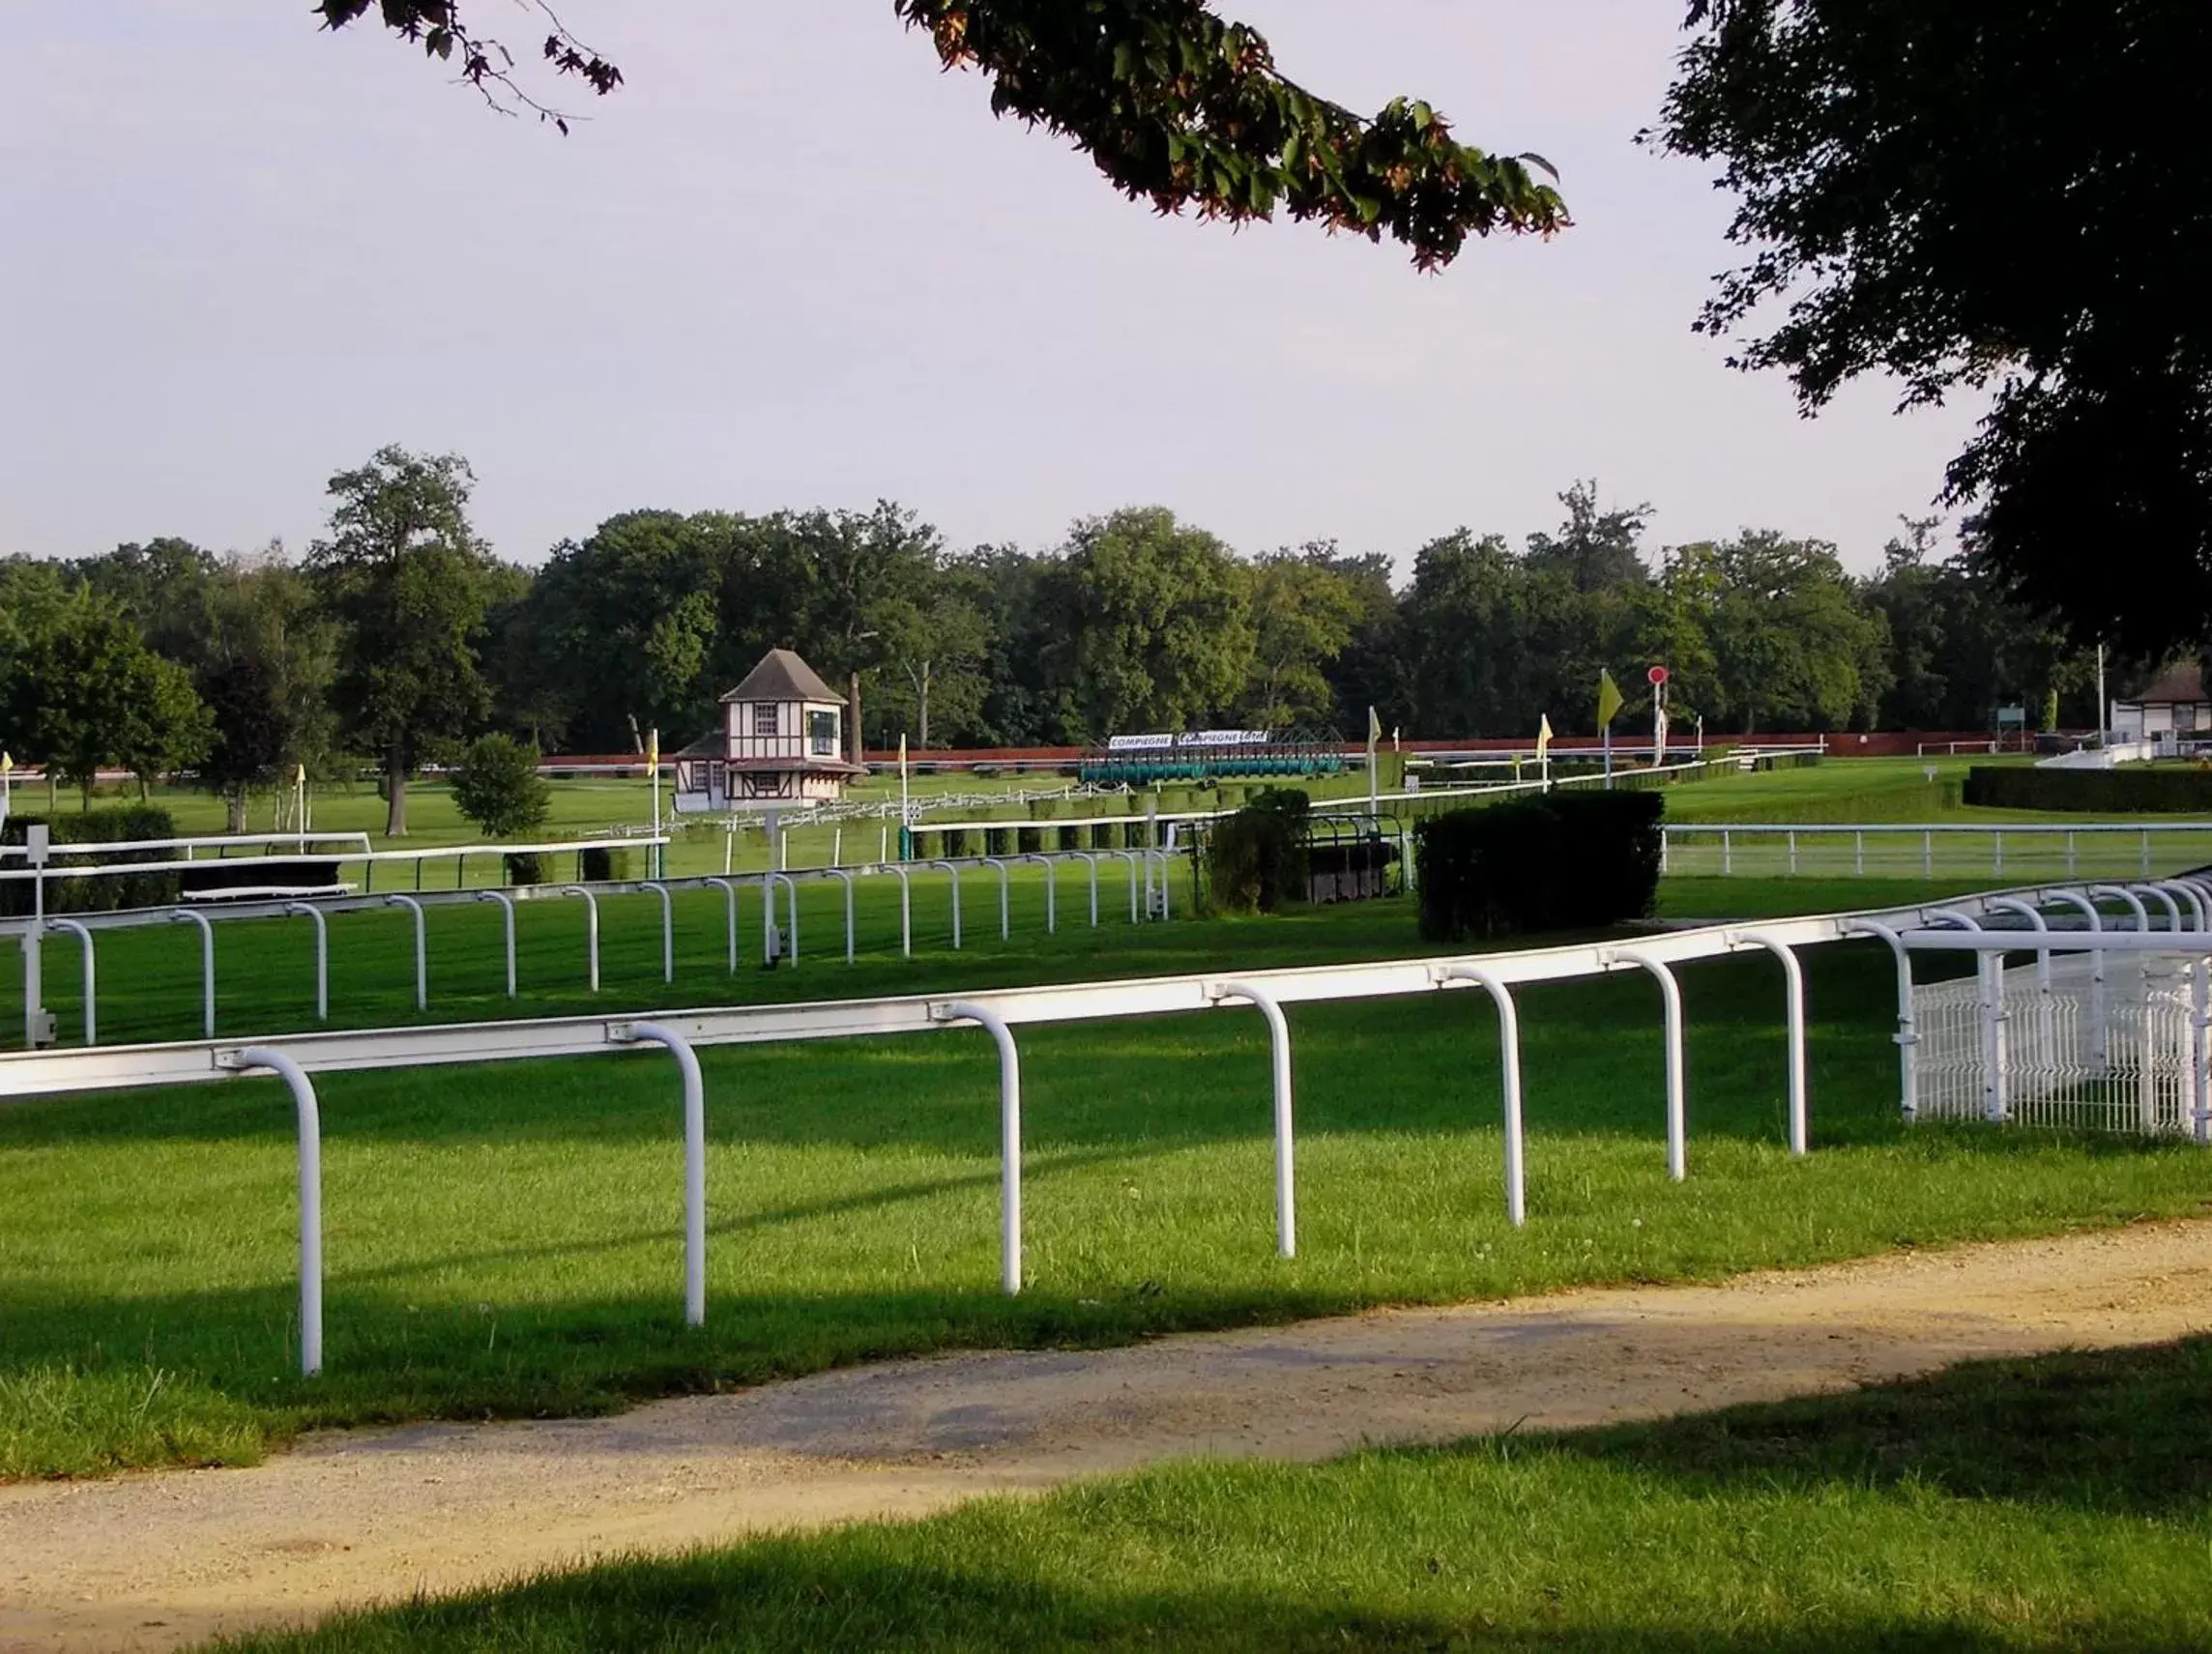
x=1331, y=1555
x=2120, y=1431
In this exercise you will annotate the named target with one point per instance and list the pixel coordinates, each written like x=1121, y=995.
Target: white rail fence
x=1925, y=848
x=297, y=1058
x=1148, y=884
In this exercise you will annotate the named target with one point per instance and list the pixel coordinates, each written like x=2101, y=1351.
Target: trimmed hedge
x=120, y=825
x=1560, y=861
x=1257, y=859
x=2126, y=791
x=602, y=866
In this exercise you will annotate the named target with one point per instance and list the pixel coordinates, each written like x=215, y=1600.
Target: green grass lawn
x=2054, y=1504
x=503, y=1240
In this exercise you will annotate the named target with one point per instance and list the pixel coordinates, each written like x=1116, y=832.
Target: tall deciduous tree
x=1177, y=105
x=407, y=580
x=1155, y=621
x=265, y=664
x=1989, y=194
x=1303, y=612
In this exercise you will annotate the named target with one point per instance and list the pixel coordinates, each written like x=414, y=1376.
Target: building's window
x=822, y=734
x=2185, y=715
x=764, y=717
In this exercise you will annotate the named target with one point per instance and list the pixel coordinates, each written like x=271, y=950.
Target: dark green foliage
x=1029, y=841
x=1563, y=861
x=955, y=841
x=498, y=787
x=525, y=867
x=600, y=866
x=122, y=825
x=2129, y=790
x=1256, y=860
x=997, y=841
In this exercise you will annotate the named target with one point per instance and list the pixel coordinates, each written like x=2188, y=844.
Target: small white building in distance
x=781, y=745
x=2174, y=704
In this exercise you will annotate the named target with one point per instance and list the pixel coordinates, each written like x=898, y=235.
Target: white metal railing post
x=694, y=1160
x=1005, y=909
x=1728, y=855
x=83, y=937
x=667, y=928
x=1858, y=854
x=953, y=868
x=1989, y=995
x=1794, y=983
x=1509, y=1062
x=1131, y=858
x=590, y=928
x=1051, y=891
x=1167, y=871
x=791, y=911
x=1677, y=1098
x=2189, y=893
x=507, y=924
x=730, y=905
x=2146, y=854
x=1927, y=855
x=2165, y=899
x=322, y=957
x=421, y=950
x=1091, y=862
x=905, y=909
x=185, y=915
x=1907, y=1031
x=1009, y=1134
x=2201, y=1050
x=1279, y=1049
x=2100, y=1011
x=310, y=1127
x=1793, y=853
x=845, y=875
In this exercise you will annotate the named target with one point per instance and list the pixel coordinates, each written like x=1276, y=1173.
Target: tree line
x=399, y=635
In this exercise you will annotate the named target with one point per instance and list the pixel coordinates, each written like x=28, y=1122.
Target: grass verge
x=2057, y=1503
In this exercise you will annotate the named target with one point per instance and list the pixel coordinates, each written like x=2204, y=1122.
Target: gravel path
x=157, y=1561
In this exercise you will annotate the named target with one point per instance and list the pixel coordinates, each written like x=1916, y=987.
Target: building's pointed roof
x=2175, y=685
x=781, y=676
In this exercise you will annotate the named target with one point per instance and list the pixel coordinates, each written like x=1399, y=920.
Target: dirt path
x=156, y=1561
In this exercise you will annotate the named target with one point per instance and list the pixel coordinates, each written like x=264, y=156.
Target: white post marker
x=421, y=957
x=667, y=927
x=1509, y=1062
x=1279, y=1042
x=730, y=902
x=591, y=929
x=905, y=908
x=322, y=957
x=694, y=1159
x=1678, y=1103
x=310, y=1127
x=953, y=868
x=1908, y=1035
x=506, y=914
x=1005, y=928
x=1051, y=891
x=91, y=981
x=1794, y=984
x=38, y=1026
x=768, y=914
x=1091, y=861
x=1009, y=1135
x=1130, y=857
x=845, y=874
x=185, y=915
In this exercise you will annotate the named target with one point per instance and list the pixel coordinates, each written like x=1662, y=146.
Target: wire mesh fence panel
x=2094, y=1044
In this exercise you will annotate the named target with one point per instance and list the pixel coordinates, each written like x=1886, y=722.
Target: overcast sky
x=792, y=264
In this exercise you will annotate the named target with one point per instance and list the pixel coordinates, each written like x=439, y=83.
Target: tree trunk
x=234, y=807
x=396, y=793
x=853, y=716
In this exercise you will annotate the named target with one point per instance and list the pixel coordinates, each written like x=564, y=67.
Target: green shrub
x=121, y=824
x=997, y=841
x=525, y=867
x=602, y=866
x=2126, y=791
x=1255, y=860
x=1070, y=838
x=1029, y=841
x=1562, y=861
x=953, y=844
x=498, y=787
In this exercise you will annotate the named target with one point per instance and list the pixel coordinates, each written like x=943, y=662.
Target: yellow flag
x=1374, y=729
x=1543, y=736
x=902, y=756
x=1608, y=697
x=7, y=763
x=299, y=779
x=653, y=749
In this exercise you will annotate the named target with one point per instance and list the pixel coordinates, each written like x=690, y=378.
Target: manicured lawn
x=2052, y=1504
x=504, y=1240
